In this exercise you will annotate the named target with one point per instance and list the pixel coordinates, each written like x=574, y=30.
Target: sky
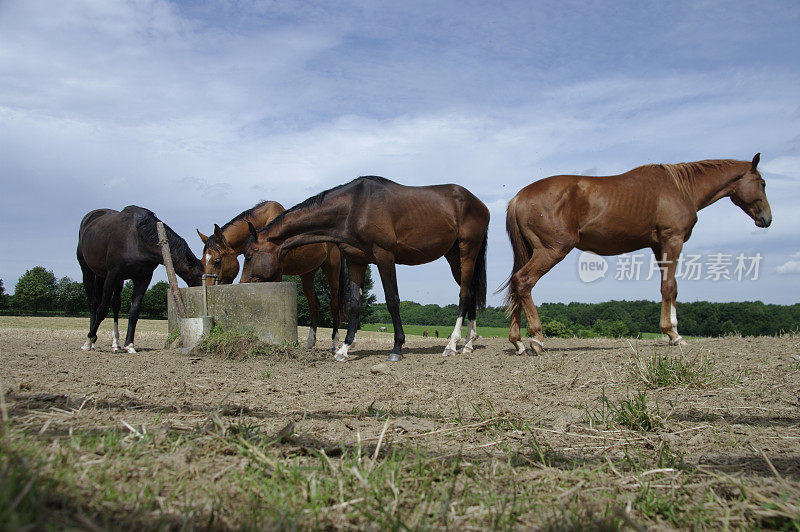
x=198, y=110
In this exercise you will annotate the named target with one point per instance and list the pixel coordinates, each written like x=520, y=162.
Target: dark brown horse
x=377, y=221
x=114, y=246
x=220, y=262
x=653, y=206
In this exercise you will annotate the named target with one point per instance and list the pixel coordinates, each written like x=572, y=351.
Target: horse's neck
x=311, y=225
x=237, y=232
x=186, y=265
x=715, y=184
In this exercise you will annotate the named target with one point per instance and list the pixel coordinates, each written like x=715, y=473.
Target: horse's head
x=220, y=265
x=261, y=259
x=749, y=193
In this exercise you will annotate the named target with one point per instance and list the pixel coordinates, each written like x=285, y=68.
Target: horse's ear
x=218, y=234
x=203, y=237
x=252, y=230
x=756, y=159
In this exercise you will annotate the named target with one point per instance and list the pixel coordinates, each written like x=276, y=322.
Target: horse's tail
x=478, y=284
x=522, y=253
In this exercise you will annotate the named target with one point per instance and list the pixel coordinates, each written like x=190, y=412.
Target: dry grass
x=125, y=456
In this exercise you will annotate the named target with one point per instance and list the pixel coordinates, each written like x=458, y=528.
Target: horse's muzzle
x=764, y=221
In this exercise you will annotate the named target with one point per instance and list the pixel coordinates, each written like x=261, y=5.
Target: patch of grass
x=663, y=369
x=238, y=345
x=629, y=412
x=171, y=337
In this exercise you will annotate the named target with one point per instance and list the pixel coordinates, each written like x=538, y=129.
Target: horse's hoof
x=340, y=357
x=448, y=352
x=395, y=357
x=310, y=344
x=116, y=349
x=130, y=349
x=466, y=350
x=678, y=341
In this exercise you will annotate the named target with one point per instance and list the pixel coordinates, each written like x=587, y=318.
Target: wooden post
x=173, y=282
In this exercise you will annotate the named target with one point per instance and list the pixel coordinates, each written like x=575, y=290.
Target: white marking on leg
x=130, y=349
x=673, y=317
x=88, y=345
x=452, y=345
x=312, y=338
x=472, y=335
x=115, y=338
x=520, y=348
x=335, y=342
x=341, y=353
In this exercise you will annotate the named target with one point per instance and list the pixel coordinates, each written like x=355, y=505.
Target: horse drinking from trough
x=376, y=221
x=118, y=245
x=220, y=262
x=653, y=206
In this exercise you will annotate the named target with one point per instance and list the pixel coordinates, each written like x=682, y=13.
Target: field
x=594, y=434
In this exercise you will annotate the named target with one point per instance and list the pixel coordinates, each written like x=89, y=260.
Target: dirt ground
x=745, y=420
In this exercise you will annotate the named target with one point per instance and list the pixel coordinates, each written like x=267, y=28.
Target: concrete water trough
x=267, y=309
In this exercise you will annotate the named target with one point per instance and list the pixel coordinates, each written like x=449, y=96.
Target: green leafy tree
x=154, y=304
x=3, y=296
x=35, y=290
x=70, y=297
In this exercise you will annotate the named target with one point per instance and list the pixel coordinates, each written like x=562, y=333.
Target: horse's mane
x=146, y=221
x=211, y=242
x=684, y=174
x=319, y=198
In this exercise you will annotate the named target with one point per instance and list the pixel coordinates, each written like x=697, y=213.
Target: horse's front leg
x=307, y=280
x=389, y=281
x=668, y=261
x=356, y=273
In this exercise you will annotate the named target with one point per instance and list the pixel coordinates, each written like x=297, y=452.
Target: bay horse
x=118, y=245
x=653, y=206
x=221, y=265
x=376, y=221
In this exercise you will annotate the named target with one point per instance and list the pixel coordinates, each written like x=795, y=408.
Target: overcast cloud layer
x=198, y=111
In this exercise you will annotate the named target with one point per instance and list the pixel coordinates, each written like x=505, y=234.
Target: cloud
x=791, y=266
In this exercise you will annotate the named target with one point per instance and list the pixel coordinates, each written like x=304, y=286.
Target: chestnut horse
x=653, y=206
x=221, y=265
x=114, y=246
x=376, y=221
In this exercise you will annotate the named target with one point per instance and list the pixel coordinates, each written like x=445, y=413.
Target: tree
x=154, y=304
x=35, y=290
x=3, y=296
x=70, y=297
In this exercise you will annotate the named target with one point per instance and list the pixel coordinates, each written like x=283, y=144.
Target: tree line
x=38, y=291
x=622, y=318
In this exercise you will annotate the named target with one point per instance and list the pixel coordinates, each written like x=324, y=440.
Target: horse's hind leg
x=521, y=284
x=116, y=303
x=307, y=280
x=454, y=259
x=109, y=285
x=462, y=264
x=140, y=285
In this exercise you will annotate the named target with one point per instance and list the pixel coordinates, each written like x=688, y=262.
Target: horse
x=653, y=206
x=221, y=265
x=376, y=221
x=118, y=245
